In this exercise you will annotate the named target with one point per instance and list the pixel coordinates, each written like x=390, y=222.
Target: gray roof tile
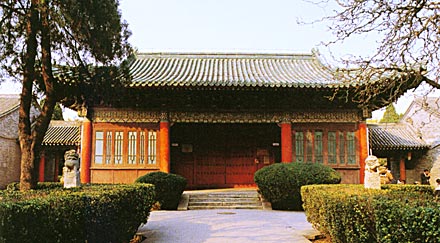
x=232, y=70
x=63, y=133
x=8, y=103
x=394, y=136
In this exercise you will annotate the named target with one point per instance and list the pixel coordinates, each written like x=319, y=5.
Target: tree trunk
x=28, y=165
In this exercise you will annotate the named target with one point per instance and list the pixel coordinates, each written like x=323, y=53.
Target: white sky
x=267, y=26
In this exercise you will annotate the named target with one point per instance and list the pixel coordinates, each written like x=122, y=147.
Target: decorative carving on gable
x=114, y=115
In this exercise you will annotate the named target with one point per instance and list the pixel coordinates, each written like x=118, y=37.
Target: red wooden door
x=210, y=168
x=240, y=166
x=222, y=155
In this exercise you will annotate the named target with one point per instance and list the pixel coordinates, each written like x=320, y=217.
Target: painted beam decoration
x=115, y=115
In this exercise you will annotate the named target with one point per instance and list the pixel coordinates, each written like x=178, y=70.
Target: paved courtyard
x=211, y=226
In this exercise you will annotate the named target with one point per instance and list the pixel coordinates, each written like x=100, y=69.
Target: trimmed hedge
x=169, y=188
x=280, y=183
x=351, y=213
x=95, y=213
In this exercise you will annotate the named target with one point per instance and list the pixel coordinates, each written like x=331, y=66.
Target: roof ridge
x=208, y=55
x=6, y=112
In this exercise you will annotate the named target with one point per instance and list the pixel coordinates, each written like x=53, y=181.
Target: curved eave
x=61, y=143
x=402, y=148
x=206, y=86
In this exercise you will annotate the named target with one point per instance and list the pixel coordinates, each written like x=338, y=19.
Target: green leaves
x=351, y=213
x=96, y=213
x=281, y=183
x=168, y=187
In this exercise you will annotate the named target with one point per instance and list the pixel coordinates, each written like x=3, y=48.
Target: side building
x=9, y=147
x=402, y=147
x=423, y=115
x=60, y=137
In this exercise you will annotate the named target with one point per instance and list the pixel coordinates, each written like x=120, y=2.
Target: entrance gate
x=222, y=155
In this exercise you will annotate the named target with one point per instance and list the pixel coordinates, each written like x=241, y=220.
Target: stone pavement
x=212, y=226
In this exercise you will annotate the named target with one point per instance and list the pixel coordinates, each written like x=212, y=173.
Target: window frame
x=324, y=130
x=125, y=129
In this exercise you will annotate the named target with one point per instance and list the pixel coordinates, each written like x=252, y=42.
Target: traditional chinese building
x=60, y=137
x=10, y=154
x=217, y=118
x=402, y=147
x=423, y=116
x=9, y=147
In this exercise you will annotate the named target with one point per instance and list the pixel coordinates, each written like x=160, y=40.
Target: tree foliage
x=390, y=115
x=50, y=46
x=408, y=50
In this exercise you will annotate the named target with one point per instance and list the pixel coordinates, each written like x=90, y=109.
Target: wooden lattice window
x=351, y=148
x=142, y=148
x=331, y=148
x=99, y=147
x=299, y=146
x=341, y=148
x=132, y=143
x=309, y=147
x=318, y=147
x=152, y=137
x=336, y=148
x=119, y=142
x=108, y=148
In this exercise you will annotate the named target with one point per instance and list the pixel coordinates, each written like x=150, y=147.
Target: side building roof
x=8, y=103
x=63, y=133
x=394, y=136
x=231, y=70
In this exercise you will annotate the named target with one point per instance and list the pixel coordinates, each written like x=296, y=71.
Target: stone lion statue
x=71, y=160
x=372, y=164
x=71, y=176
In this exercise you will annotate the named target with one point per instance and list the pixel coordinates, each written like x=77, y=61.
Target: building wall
x=107, y=167
x=9, y=149
x=425, y=122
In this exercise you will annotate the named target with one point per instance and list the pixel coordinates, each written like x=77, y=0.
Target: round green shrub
x=169, y=188
x=281, y=183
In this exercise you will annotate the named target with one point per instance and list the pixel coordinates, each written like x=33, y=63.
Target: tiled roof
x=63, y=133
x=231, y=70
x=8, y=103
x=394, y=136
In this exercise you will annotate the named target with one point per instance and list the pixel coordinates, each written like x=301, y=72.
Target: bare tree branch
x=408, y=50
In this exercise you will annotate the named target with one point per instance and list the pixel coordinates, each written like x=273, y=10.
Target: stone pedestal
x=372, y=176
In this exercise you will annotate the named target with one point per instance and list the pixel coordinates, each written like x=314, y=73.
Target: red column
x=41, y=169
x=363, y=149
x=86, y=150
x=402, y=169
x=286, y=142
x=164, y=146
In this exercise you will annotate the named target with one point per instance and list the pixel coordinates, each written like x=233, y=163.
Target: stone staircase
x=222, y=199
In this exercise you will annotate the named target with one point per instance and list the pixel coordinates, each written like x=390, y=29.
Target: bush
x=169, y=188
x=351, y=213
x=280, y=184
x=104, y=213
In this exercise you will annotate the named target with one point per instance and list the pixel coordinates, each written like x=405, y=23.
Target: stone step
x=225, y=207
x=224, y=195
x=224, y=200
x=220, y=203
